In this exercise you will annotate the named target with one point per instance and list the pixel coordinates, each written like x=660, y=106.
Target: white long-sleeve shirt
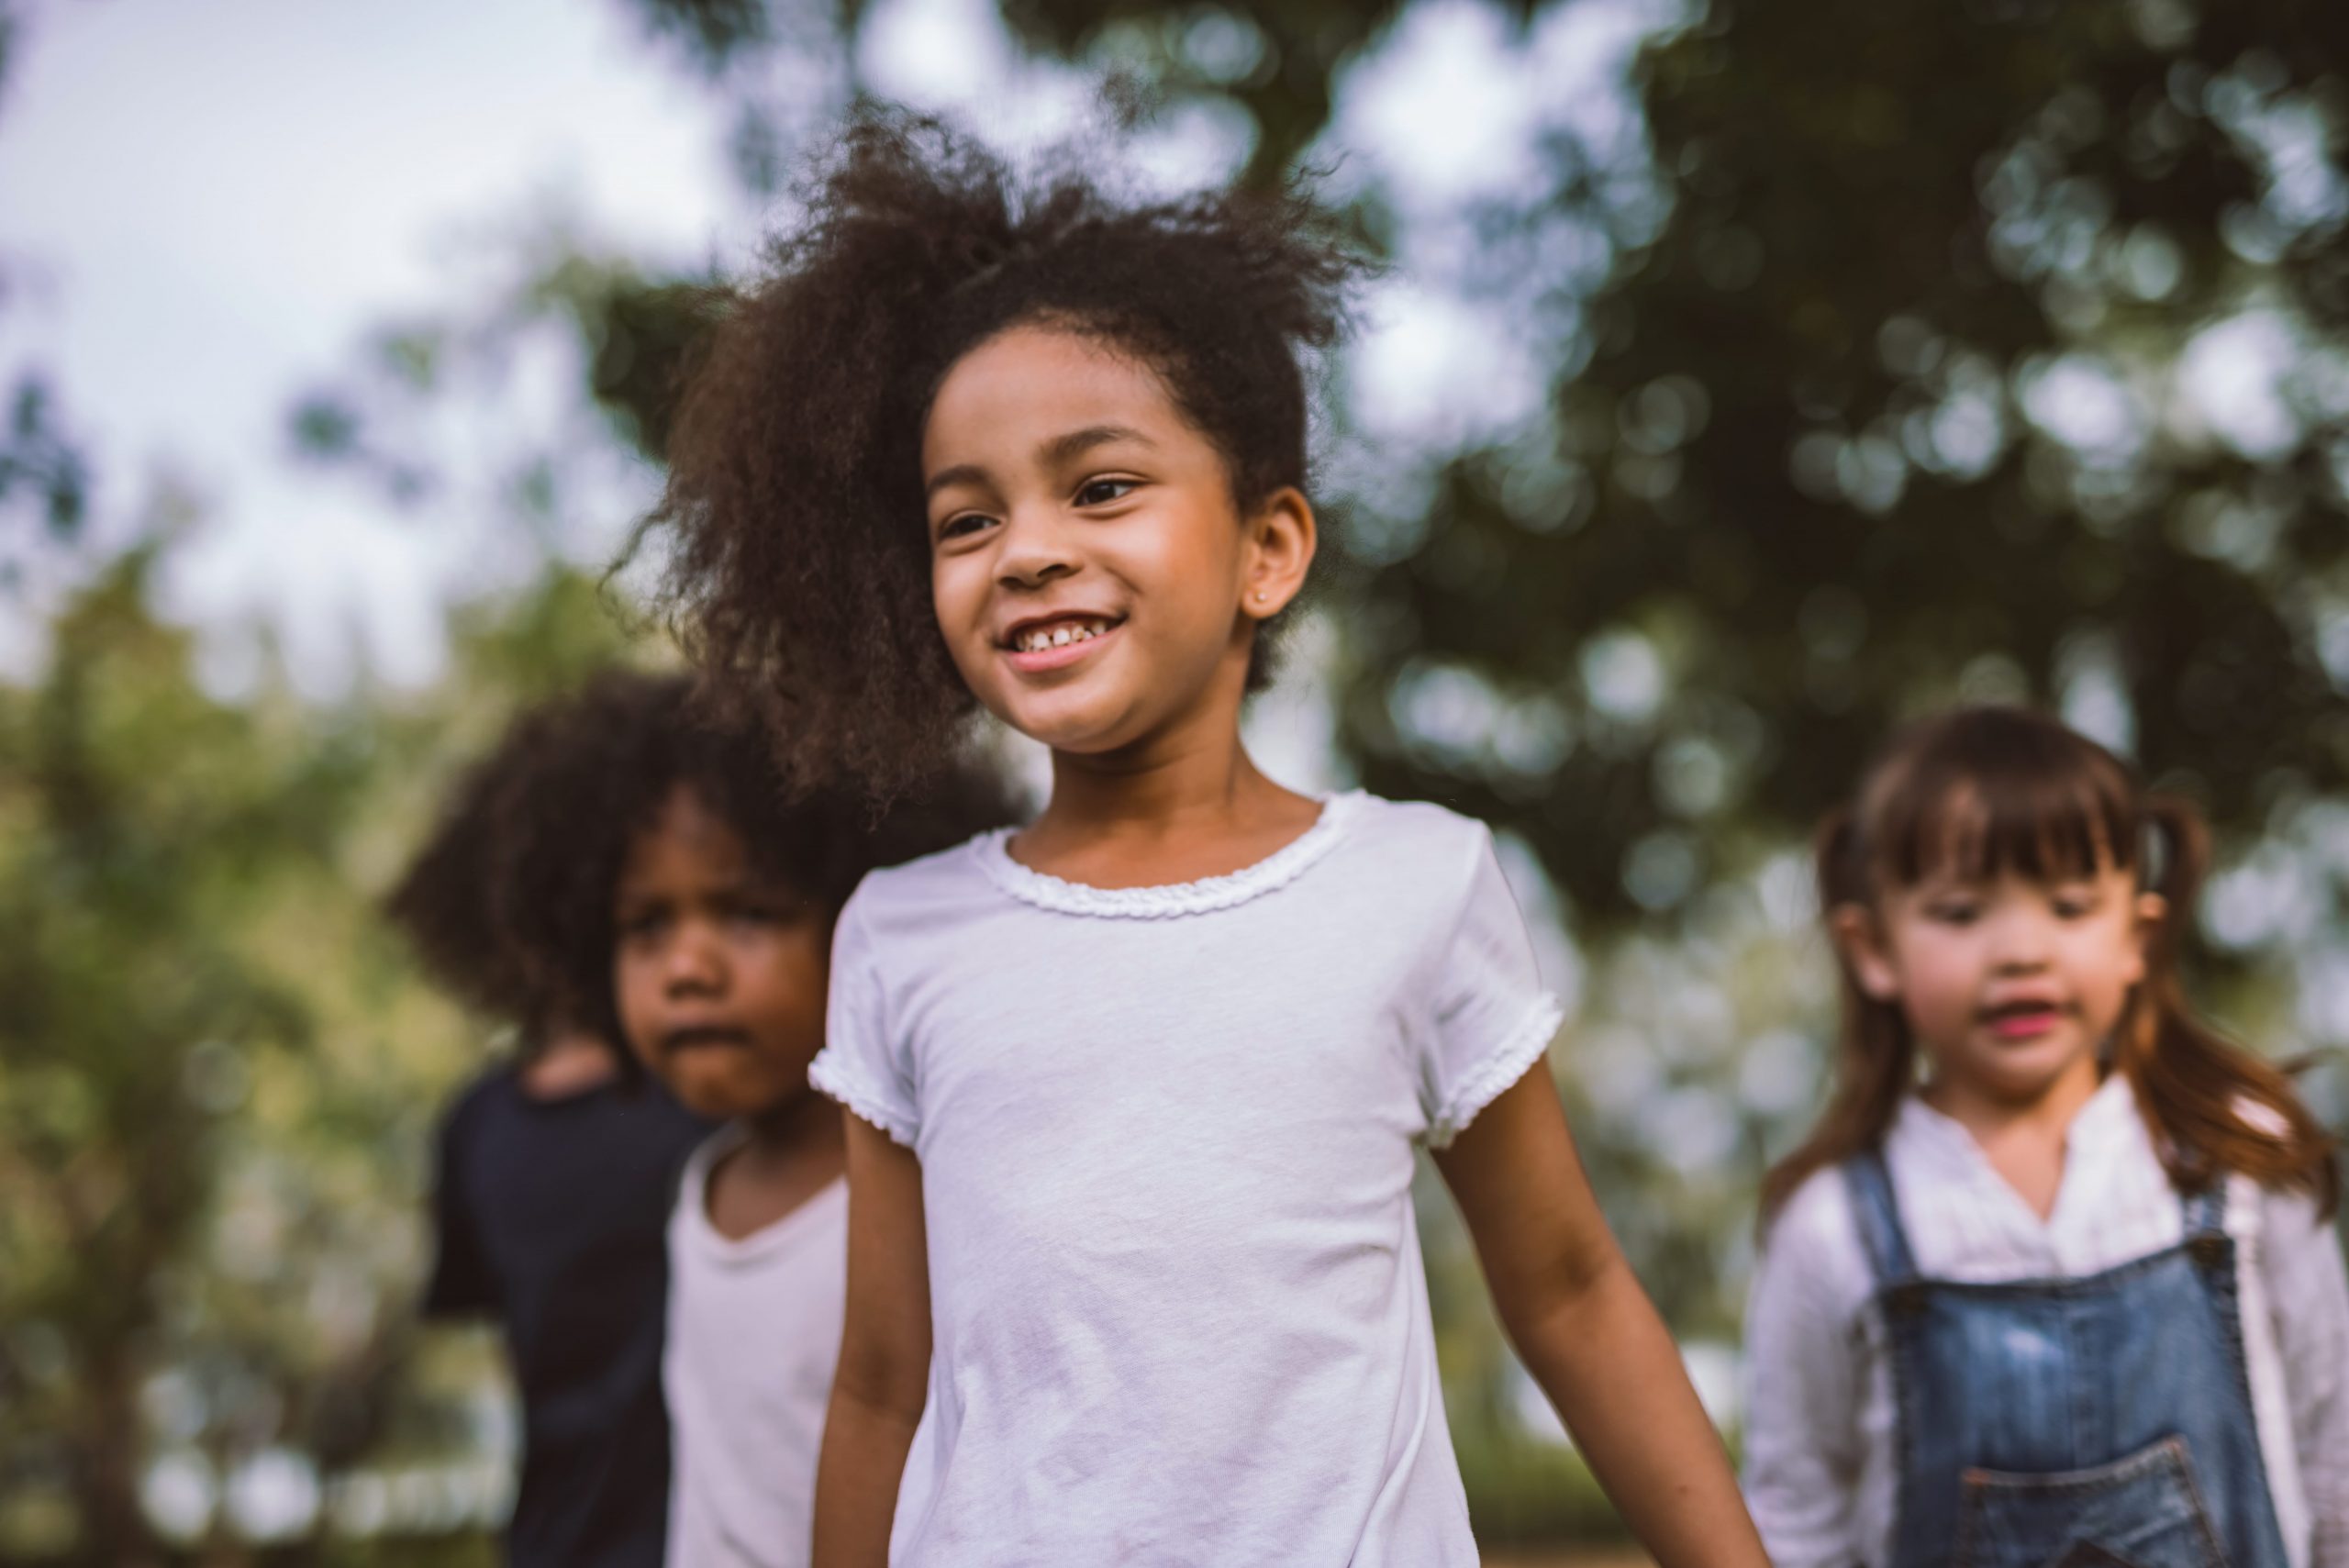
x=1821, y=1469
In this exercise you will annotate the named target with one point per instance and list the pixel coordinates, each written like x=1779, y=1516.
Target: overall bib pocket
x=2144, y=1511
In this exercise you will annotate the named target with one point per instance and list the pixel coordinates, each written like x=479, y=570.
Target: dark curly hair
x=800, y=569
x=510, y=902
x=444, y=903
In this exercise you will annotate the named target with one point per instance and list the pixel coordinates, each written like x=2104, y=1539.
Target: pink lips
x=2025, y=1023
x=1043, y=658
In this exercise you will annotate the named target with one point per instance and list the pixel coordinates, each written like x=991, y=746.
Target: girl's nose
x=1036, y=549
x=2019, y=941
x=696, y=963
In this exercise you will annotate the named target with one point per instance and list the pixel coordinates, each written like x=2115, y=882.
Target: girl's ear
x=1281, y=539
x=1859, y=937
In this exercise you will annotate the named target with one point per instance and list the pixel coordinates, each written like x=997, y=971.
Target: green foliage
x=42, y=477
x=712, y=32
x=1280, y=61
x=217, y=1075
x=641, y=334
x=1818, y=468
x=1523, y=1493
x=146, y=830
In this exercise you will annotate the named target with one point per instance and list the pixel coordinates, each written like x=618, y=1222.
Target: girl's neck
x=1180, y=814
x=2024, y=1141
x=1154, y=787
x=806, y=1125
x=788, y=1156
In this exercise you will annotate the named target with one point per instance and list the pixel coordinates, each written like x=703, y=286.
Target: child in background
x=707, y=921
x=554, y=1171
x=2072, y=1298
x=1133, y=1273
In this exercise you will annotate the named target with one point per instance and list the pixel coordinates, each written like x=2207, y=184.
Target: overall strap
x=2206, y=1210
x=1879, y=1218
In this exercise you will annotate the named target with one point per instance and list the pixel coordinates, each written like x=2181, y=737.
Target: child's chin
x=2026, y=1075
x=1076, y=729
x=712, y=1100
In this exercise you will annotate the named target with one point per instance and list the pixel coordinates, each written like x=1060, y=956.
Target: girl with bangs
x=2052, y=1281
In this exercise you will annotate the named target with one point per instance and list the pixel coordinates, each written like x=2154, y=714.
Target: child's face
x=720, y=976
x=1093, y=579
x=2009, y=984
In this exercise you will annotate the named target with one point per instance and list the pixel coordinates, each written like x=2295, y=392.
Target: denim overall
x=2065, y=1423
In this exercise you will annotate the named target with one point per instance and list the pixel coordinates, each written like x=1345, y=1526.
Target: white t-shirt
x=754, y=1333
x=1167, y=1137
x=1820, y=1467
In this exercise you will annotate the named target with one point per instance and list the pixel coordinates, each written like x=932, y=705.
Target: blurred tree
x=41, y=475
x=134, y=1015
x=1278, y=60
x=713, y=32
x=1998, y=350
x=218, y=1076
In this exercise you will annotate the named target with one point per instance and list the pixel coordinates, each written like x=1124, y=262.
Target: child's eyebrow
x=1076, y=443
x=961, y=474
x=1051, y=454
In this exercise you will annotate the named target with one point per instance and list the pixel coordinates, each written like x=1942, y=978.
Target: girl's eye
x=1952, y=914
x=2075, y=905
x=964, y=525
x=639, y=924
x=1101, y=492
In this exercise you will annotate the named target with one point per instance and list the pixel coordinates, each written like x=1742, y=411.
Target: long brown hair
x=1984, y=791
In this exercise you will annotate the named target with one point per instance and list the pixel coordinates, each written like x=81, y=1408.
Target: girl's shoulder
x=1817, y=1221
x=1811, y=1246
x=924, y=888
x=1407, y=821
x=2279, y=1218
x=1433, y=841
x=909, y=909
x=2283, y=1216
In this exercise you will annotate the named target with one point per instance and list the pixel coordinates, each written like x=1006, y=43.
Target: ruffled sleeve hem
x=827, y=1073
x=1508, y=1062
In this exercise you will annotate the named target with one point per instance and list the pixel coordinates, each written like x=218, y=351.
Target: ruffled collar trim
x=1275, y=871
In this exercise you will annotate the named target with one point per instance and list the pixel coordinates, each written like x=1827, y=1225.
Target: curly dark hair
x=800, y=569
x=443, y=902
x=510, y=902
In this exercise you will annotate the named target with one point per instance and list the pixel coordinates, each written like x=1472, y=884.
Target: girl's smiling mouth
x=1055, y=641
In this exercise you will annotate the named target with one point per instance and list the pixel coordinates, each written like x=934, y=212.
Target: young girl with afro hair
x=649, y=877
x=555, y=1167
x=1133, y=1275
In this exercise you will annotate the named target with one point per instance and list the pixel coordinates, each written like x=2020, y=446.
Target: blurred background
x=1747, y=376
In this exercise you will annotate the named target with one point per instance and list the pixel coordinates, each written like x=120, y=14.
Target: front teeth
x=1061, y=636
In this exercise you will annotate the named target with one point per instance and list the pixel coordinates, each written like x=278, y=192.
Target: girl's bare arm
x=884, y=1373
x=1590, y=1336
